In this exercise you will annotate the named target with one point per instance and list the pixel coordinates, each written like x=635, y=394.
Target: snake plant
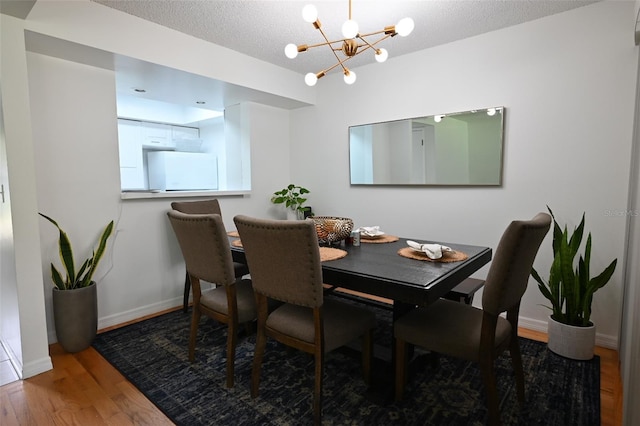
x=570, y=289
x=84, y=275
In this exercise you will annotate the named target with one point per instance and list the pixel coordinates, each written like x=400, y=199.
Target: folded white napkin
x=371, y=231
x=433, y=251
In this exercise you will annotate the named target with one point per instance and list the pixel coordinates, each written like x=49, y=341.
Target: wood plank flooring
x=84, y=389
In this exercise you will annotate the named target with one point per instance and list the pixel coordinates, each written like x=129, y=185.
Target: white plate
x=371, y=234
x=370, y=231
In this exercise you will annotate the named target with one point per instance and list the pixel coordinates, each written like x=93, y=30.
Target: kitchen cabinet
x=186, y=139
x=130, y=153
x=181, y=132
x=156, y=136
x=162, y=136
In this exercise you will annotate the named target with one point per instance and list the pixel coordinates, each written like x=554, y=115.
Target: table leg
x=400, y=309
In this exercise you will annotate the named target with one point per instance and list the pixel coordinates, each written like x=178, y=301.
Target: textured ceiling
x=261, y=29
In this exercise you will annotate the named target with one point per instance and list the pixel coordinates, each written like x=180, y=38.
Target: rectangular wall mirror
x=462, y=148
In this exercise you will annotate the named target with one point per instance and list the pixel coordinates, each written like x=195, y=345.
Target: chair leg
x=249, y=327
x=232, y=334
x=516, y=360
x=367, y=355
x=514, y=350
x=185, y=298
x=195, y=319
x=317, y=391
x=489, y=379
x=401, y=367
x=261, y=342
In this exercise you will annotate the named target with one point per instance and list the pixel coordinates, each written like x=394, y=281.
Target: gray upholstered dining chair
x=284, y=260
x=473, y=334
x=207, y=254
x=211, y=206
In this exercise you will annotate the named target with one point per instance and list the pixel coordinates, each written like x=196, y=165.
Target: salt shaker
x=355, y=238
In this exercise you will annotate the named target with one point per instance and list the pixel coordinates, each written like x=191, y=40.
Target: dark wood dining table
x=377, y=269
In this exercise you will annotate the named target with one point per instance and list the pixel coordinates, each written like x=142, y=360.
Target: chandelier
x=351, y=45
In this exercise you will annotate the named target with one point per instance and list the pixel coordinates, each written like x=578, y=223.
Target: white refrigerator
x=182, y=171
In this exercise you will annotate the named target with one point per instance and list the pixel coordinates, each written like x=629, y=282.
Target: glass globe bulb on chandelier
x=351, y=45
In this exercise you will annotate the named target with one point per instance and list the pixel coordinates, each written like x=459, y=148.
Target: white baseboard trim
x=607, y=341
x=532, y=324
x=603, y=340
x=29, y=369
x=36, y=367
x=123, y=317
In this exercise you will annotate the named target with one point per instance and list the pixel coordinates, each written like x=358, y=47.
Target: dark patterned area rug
x=153, y=355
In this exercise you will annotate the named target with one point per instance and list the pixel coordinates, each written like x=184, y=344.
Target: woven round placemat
x=446, y=256
x=379, y=240
x=326, y=253
x=330, y=253
x=233, y=234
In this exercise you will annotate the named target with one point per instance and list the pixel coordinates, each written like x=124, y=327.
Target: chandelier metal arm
x=389, y=31
x=309, y=46
x=371, y=45
x=341, y=62
x=305, y=47
x=339, y=49
x=332, y=51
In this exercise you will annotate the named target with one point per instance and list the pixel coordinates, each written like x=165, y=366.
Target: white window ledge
x=138, y=195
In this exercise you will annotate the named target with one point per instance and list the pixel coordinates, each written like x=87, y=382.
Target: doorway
x=10, y=339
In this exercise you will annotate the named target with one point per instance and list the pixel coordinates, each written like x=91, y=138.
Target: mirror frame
x=428, y=120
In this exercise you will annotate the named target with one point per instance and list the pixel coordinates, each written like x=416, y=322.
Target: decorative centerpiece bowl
x=332, y=229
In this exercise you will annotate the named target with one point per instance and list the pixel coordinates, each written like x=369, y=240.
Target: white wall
x=212, y=135
x=630, y=335
x=23, y=325
x=568, y=85
x=76, y=156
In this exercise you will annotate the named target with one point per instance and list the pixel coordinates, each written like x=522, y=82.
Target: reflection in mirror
x=463, y=148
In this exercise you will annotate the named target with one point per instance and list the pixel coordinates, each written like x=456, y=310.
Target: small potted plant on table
x=293, y=199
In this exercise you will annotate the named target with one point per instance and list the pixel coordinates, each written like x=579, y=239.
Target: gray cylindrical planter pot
x=75, y=313
x=570, y=341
